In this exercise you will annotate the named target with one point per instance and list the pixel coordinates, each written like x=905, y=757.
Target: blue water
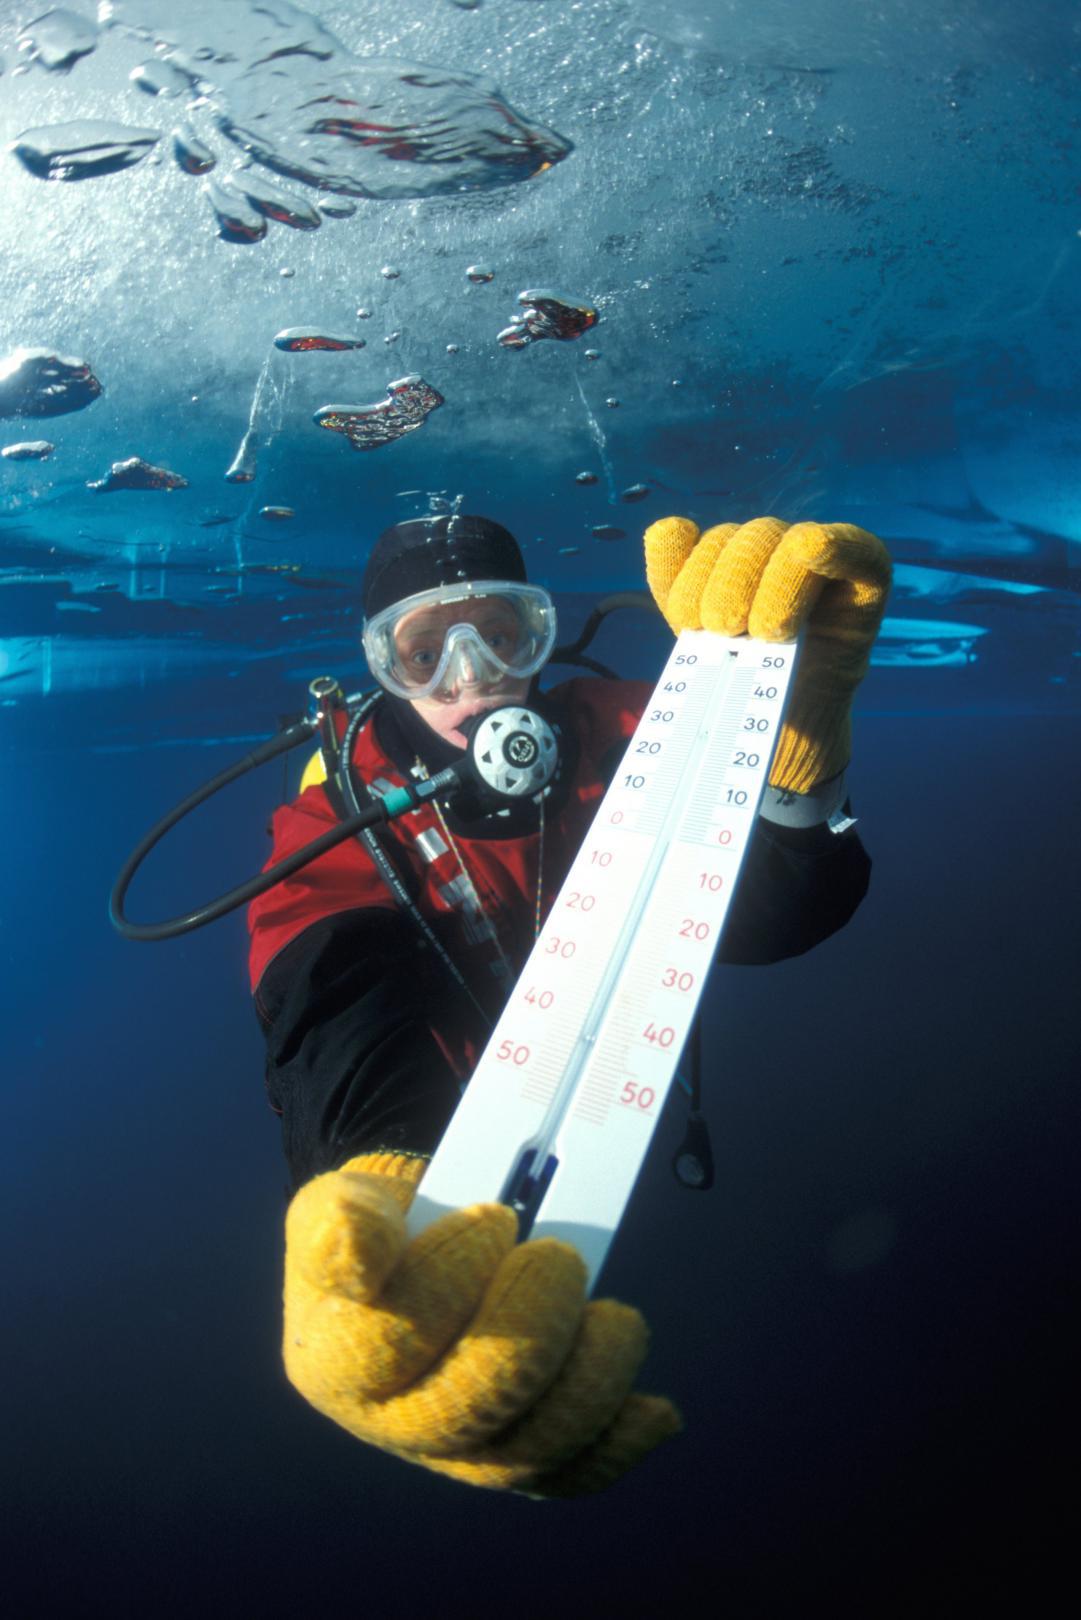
x=865, y=1321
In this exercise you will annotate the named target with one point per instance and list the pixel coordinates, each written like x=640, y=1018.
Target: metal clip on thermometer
x=562, y=1106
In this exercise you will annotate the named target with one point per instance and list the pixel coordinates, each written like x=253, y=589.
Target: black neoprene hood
x=424, y=553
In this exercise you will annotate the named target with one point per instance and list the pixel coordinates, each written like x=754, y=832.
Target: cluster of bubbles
x=411, y=399
x=393, y=129
x=37, y=382
x=423, y=115
x=440, y=504
x=283, y=90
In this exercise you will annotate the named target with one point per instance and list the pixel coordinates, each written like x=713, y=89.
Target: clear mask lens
x=442, y=641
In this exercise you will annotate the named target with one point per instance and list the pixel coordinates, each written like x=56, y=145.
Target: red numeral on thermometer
x=659, y=1037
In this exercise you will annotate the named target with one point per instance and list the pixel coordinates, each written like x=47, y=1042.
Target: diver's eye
x=417, y=660
x=501, y=636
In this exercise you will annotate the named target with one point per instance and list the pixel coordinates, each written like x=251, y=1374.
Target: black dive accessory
x=692, y=1162
x=512, y=754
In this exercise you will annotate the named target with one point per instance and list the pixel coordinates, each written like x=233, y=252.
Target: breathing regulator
x=512, y=755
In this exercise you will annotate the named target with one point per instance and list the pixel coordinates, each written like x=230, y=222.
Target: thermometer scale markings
x=673, y=813
x=592, y=1032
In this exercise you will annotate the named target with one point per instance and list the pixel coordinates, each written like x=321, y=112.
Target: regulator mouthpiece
x=513, y=751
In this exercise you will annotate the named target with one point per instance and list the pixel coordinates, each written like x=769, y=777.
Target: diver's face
x=470, y=686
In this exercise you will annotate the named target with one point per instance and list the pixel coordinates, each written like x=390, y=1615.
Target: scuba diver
x=380, y=968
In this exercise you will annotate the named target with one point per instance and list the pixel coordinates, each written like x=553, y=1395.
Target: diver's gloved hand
x=461, y=1350
x=771, y=580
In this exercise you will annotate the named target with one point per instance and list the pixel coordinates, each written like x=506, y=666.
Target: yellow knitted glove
x=770, y=580
x=463, y=1351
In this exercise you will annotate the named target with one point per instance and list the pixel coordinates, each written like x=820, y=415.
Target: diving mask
x=477, y=633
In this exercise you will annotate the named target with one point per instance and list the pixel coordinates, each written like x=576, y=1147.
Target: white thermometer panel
x=560, y=1111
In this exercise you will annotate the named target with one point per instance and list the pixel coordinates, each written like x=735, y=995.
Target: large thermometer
x=562, y=1106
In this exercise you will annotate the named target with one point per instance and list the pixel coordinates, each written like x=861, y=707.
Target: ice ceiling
x=831, y=250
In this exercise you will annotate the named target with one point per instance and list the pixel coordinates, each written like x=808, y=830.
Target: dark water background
x=851, y=237
x=865, y=1322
